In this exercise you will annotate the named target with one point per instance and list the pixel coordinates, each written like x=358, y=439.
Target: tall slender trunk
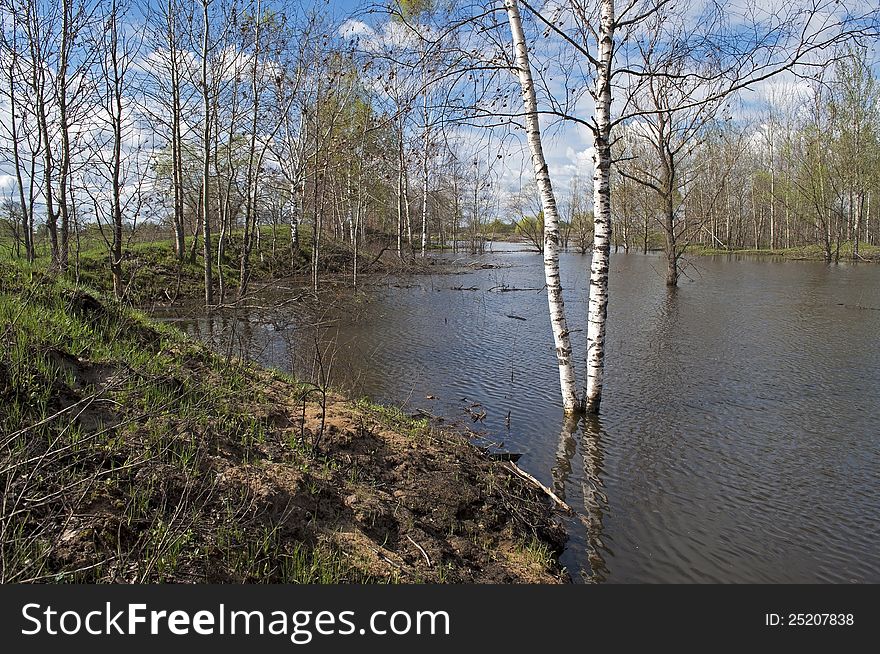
x=116, y=173
x=772, y=211
x=349, y=209
x=667, y=196
x=76, y=230
x=406, y=212
x=455, y=211
x=206, y=163
x=64, y=128
x=176, y=136
x=39, y=86
x=671, y=242
x=568, y=387
x=360, y=208
x=772, y=190
x=400, y=191
x=475, y=222
x=441, y=227
x=787, y=227
x=597, y=309
x=857, y=226
x=424, y=204
x=317, y=212
x=197, y=230
x=426, y=145
x=224, y=202
x=298, y=193
x=755, y=219
x=177, y=180
x=727, y=231
x=251, y=201
x=26, y=221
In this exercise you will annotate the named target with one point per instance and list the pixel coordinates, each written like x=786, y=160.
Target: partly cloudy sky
x=567, y=145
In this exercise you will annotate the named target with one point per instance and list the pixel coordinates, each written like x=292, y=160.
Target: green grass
x=151, y=270
x=112, y=428
x=131, y=453
x=394, y=418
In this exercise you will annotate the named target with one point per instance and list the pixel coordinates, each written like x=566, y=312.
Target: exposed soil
x=423, y=503
x=206, y=470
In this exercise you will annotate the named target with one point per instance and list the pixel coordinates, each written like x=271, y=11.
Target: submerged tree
x=561, y=337
x=609, y=39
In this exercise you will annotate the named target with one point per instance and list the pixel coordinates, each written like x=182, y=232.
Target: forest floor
x=153, y=275
x=131, y=453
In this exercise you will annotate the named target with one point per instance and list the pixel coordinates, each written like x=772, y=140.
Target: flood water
x=739, y=434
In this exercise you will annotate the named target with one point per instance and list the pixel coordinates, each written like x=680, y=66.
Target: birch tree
x=561, y=337
x=19, y=130
x=207, y=88
x=116, y=55
x=746, y=45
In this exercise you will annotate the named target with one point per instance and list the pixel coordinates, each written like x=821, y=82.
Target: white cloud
x=7, y=184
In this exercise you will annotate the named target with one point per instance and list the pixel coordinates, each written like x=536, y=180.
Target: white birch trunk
x=598, y=302
x=426, y=146
x=570, y=401
x=206, y=161
x=400, y=190
x=427, y=141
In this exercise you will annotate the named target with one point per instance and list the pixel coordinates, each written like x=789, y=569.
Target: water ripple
x=739, y=435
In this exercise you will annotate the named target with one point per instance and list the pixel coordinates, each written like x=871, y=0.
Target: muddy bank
x=133, y=454
x=403, y=500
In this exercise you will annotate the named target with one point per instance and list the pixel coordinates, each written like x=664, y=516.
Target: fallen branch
x=553, y=496
x=857, y=306
x=422, y=413
x=371, y=263
x=512, y=289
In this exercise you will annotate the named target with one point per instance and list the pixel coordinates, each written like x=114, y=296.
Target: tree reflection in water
x=584, y=434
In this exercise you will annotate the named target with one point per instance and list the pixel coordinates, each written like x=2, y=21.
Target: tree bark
x=426, y=146
x=250, y=222
x=176, y=136
x=671, y=243
x=64, y=128
x=116, y=173
x=206, y=163
x=568, y=388
x=26, y=219
x=39, y=87
x=597, y=308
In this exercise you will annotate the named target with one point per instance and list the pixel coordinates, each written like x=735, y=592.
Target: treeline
x=802, y=169
x=216, y=117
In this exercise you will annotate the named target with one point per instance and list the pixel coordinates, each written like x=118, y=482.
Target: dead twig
x=422, y=550
x=553, y=496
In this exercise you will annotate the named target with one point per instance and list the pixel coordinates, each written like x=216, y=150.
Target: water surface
x=739, y=433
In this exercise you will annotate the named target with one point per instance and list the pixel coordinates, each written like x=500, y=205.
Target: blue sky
x=567, y=147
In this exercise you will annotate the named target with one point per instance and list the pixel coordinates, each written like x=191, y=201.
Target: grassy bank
x=129, y=453
x=153, y=274
x=805, y=253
